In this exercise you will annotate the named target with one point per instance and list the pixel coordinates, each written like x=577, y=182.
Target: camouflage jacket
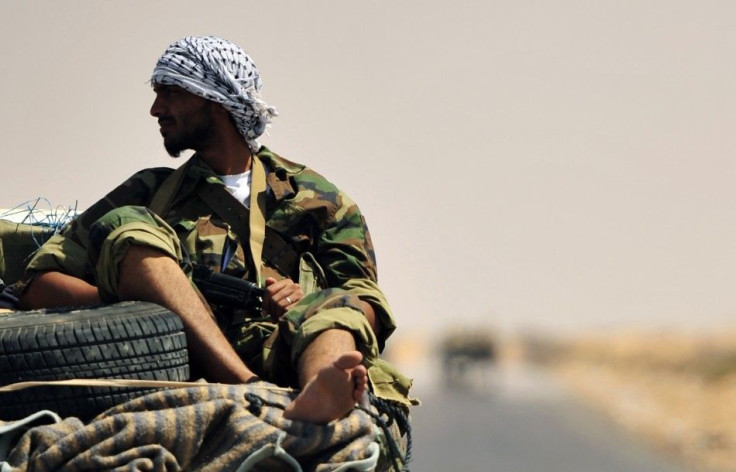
x=308, y=211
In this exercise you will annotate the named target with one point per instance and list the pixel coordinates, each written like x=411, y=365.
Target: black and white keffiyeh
x=218, y=70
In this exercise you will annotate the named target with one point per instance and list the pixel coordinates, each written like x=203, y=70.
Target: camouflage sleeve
x=345, y=252
x=67, y=252
x=345, y=249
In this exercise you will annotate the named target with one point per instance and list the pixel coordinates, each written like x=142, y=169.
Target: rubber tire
x=128, y=340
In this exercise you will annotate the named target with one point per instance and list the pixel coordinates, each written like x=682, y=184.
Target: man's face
x=185, y=120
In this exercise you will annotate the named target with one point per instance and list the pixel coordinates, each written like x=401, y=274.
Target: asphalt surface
x=519, y=420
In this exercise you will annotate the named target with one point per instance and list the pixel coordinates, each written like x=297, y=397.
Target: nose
x=157, y=107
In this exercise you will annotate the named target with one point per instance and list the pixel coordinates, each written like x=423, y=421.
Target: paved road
x=519, y=421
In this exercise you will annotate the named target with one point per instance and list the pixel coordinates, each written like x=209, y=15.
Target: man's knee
x=114, y=220
x=136, y=254
x=114, y=234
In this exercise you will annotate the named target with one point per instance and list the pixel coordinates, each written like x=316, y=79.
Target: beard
x=192, y=132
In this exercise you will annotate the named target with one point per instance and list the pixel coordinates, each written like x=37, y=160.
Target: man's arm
x=55, y=289
x=345, y=253
x=370, y=315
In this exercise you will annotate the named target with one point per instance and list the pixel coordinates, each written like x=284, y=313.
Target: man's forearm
x=56, y=289
x=370, y=316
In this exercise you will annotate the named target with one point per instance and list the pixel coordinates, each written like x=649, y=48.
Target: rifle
x=226, y=290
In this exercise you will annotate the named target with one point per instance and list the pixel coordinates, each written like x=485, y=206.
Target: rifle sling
x=167, y=191
x=276, y=251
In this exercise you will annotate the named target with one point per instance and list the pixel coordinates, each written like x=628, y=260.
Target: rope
x=41, y=213
x=270, y=450
x=396, y=413
x=256, y=403
x=392, y=411
x=255, y=407
x=363, y=465
x=388, y=412
x=119, y=383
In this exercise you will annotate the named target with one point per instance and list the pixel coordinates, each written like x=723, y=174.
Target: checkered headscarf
x=218, y=70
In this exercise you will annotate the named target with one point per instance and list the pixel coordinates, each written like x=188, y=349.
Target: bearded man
x=240, y=209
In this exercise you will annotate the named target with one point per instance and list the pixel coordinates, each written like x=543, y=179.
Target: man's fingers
x=281, y=296
x=291, y=297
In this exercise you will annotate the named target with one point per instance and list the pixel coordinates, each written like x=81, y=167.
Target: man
x=323, y=338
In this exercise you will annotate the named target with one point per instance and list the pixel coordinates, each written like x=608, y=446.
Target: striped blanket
x=207, y=428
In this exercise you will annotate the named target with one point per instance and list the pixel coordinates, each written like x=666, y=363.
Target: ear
x=223, y=117
x=217, y=110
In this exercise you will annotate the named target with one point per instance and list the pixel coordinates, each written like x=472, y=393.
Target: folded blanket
x=208, y=428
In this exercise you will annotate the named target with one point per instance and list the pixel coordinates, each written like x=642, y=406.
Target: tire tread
x=130, y=340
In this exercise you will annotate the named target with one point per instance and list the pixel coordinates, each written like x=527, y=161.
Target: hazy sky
x=562, y=165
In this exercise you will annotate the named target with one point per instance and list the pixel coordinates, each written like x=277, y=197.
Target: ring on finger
x=288, y=301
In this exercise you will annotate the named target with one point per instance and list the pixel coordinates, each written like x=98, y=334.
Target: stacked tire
x=128, y=340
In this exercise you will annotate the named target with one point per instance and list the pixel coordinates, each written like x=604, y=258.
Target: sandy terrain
x=676, y=391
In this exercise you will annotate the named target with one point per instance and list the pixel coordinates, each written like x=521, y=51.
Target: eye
x=166, y=90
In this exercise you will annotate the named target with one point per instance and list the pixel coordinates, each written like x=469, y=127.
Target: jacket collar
x=279, y=173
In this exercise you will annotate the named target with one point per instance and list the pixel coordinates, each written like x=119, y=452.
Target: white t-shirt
x=239, y=186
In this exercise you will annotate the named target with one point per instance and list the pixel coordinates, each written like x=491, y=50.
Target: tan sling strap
x=257, y=214
x=248, y=225
x=164, y=196
x=268, y=242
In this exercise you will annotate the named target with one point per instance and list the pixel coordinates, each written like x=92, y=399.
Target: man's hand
x=281, y=296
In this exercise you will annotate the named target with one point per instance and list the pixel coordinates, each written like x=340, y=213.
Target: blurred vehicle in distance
x=466, y=357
